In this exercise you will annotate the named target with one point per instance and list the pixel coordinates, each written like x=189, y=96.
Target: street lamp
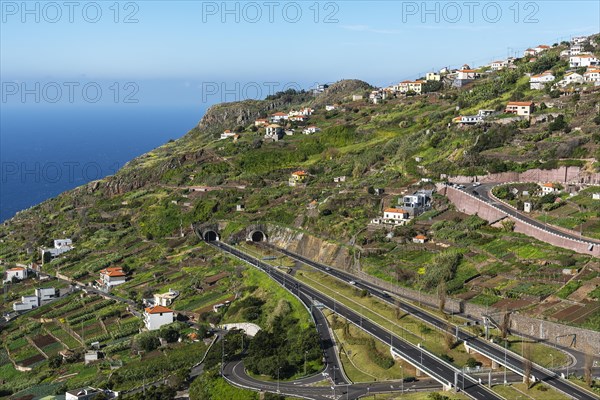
x=278, y=368
x=552, y=362
x=505, y=341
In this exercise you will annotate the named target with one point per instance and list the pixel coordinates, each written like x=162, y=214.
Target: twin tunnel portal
x=211, y=234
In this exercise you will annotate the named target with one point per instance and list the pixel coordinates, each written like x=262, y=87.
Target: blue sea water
x=46, y=150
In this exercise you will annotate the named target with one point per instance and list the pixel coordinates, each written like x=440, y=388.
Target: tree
x=147, y=341
x=169, y=333
x=55, y=361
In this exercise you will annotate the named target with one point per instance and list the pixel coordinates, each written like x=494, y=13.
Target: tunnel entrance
x=258, y=236
x=211, y=236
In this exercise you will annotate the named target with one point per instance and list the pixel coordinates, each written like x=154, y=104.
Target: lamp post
x=505, y=341
x=551, y=362
x=278, y=369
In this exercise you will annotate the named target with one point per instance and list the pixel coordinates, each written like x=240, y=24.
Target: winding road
x=441, y=371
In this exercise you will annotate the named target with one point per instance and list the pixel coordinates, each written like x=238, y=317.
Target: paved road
x=483, y=193
x=511, y=360
x=234, y=372
x=430, y=364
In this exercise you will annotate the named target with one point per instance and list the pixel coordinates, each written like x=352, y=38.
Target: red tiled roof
x=158, y=310
x=395, y=210
x=421, y=237
x=299, y=173
x=15, y=269
x=113, y=271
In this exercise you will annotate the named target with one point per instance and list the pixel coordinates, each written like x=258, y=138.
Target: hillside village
x=356, y=178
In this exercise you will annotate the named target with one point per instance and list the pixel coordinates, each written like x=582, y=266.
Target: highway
x=428, y=363
x=494, y=352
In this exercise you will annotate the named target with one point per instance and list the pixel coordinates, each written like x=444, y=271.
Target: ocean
x=46, y=150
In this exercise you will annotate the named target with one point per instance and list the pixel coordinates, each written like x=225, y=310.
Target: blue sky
x=176, y=46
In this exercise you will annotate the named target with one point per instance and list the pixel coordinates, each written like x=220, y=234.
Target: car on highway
x=475, y=184
x=327, y=269
x=352, y=282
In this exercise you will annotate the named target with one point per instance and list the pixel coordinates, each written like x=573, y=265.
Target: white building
x=395, y=215
x=279, y=116
x=165, y=299
x=311, y=129
x=592, y=75
x=522, y=108
x=227, y=134
x=432, y=76
x=548, y=188
x=274, y=132
x=329, y=108
x=579, y=39
x=26, y=303
x=60, y=246
x=157, y=316
x=16, y=272
x=45, y=294
x=498, y=65
x=583, y=60
x=465, y=74
x=596, y=196
x=111, y=276
x=538, y=82
x=571, y=78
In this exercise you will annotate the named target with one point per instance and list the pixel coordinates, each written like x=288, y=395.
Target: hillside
x=142, y=216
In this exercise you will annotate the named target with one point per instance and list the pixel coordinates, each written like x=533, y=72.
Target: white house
x=45, y=294
x=522, y=108
x=467, y=74
x=111, y=276
x=407, y=86
x=16, y=272
x=596, y=196
x=329, y=108
x=541, y=48
x=311, y=129
x=468, y=119
x=432, y=76
x=570, y=78
x=529, y=52
x=592, y=75
x=26, y=303
x=227, y=134
x=576, y=49
x=298, y=118
x=60, y=246
x=420, y=239
x=395, y=215
x=261, y=122
x=279, y=116
x=356, y=97
x=579, y=39
x=549, y=188
x=165, y=299
x=498, y=65
x=538, y=82
x=157, y=316
x=583, y=60
x=274, y=132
